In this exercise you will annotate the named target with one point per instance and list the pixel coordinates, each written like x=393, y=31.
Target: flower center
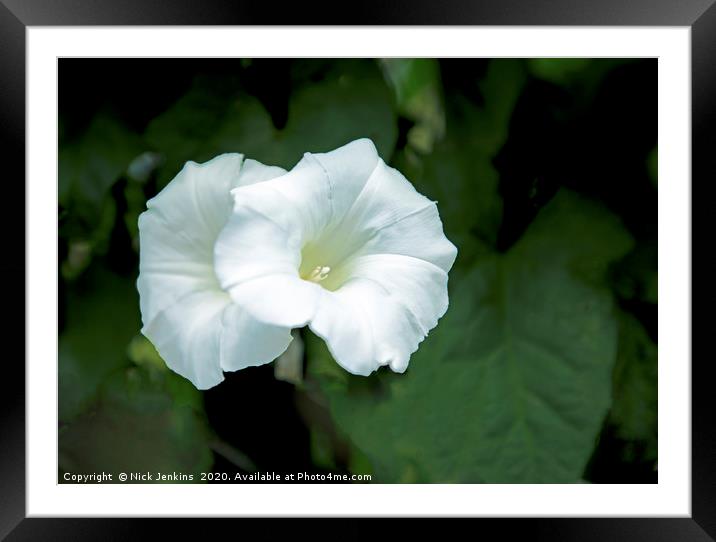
x=327, y=259
x=319, y=273
x=322, y=267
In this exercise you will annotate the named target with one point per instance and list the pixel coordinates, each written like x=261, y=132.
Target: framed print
x=413, y=264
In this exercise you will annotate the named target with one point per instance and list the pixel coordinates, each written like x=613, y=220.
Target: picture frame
x=16, y=16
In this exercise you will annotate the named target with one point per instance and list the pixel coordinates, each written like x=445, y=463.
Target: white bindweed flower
x=191, y=321
x=341, y=243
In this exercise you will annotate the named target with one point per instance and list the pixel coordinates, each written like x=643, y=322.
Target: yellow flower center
x=319, y=273
x=322, y=267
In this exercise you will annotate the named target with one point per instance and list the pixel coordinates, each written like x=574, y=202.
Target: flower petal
x=317, y=192
x=262, y=237
x=418, y=287
x=346, y=170
x=185, y=313
x=188, y=338
x=278, y=299
x=272, y=222
x=205, y=332
x=364, y=328
x=246, y=342
x=253, y=172
x=381, y=315
x=258, y=253
x=397, y=219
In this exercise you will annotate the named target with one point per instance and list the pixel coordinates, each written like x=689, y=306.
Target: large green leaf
x=351, y=103
x=577, y=233
x=513, y=385
x=142, y=423
x=102, y=317
x=91, y=164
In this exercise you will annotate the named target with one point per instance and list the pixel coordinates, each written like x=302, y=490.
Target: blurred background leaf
x=418, y=93
x=102, y=317
x=92, y=163
x=120, y=408
x=635, y=277
x=215, y=116
x=558, y=70
x=581, y=76
x=635, y=386
x=140, y=425
x=459, y=173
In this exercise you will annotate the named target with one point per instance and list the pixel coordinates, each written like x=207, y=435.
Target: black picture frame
x=16, y=15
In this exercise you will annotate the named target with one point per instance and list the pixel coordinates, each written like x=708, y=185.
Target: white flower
x=192, y=322
x=341, y=243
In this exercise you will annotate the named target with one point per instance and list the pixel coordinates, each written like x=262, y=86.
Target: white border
x=671, y=496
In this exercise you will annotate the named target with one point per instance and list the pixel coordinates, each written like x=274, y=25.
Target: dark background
x=585, y=126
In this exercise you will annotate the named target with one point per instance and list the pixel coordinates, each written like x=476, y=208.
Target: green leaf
x=581, y=77
x=579, y=234
x=409, y=77
x=181, y=131
x=118, y=416
x=322, y=449
x=459, y=173
x=139, y=424
x=511, y=387
x=79, y=256
x=349, y=104
x=561, y=71
x=102, y=317
x=418, y=92
x=586, y=73
x=136, y=203
x=90, y=165
x=636, y=276
x=142, y=352
x=91, y=236
x=353, y=103
x=634, y=413
x=488, y=126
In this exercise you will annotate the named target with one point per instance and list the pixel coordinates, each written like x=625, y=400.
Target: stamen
x=319, y=273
